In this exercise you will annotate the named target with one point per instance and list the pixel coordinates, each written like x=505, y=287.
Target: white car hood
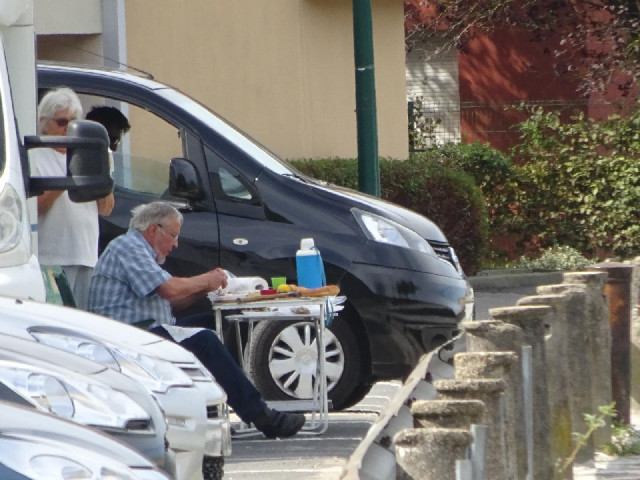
x=17, y=316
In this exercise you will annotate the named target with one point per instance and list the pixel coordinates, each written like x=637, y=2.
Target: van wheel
x=212, y=468
x=283, y=360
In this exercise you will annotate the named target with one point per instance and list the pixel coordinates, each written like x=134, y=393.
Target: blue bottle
x=309, y=265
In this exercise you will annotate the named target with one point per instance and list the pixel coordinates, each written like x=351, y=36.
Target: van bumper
x=405, y=313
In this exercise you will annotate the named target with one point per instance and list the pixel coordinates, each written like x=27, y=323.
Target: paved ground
x=611, y=468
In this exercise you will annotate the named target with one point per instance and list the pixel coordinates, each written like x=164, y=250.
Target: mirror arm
x=52, y=141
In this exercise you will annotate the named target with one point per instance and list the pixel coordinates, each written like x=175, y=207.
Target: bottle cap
x=306, y=244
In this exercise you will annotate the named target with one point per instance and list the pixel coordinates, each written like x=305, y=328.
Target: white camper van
x=88, y=165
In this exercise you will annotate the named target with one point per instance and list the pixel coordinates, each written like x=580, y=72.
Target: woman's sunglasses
x=62, y=122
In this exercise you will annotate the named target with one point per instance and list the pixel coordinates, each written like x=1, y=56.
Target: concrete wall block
x=497, y=336
x=532, y=320
x=579, y=360
x=598, y=330
x=430, y=453
x=498, y=365
x=492, y=336
x=559, y=358
x=490, y=392
x=447, y=413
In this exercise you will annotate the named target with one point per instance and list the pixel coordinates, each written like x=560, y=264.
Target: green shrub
x=580, y=185
x=489, y=167
x=555, y=258
x=446, y=195
x=625, y=440
x=497, y=178
x=339, y=171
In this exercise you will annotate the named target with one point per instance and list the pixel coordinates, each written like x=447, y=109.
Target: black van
x=246, y=210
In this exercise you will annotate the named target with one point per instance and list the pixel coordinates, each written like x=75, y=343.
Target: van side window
x=227, y=182
x=231, y=186
x=141, y=162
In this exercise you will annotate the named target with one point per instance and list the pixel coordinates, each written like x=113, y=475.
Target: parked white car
x=40, y=446
x=85, y=392
x=193, y=403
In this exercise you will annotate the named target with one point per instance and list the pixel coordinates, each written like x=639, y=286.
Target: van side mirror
x=88, y=176
x=184, y=181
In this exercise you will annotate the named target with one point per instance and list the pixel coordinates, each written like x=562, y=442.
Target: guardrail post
x=489, y=391
x=558, y=360
x=599, y=332
x=470, y=365
x=430, y=453
x=496, y=336
x=532, y=319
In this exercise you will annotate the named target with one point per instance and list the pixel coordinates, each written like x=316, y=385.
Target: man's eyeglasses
x=62, y=122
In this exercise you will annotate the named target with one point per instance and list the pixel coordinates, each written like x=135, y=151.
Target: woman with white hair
x=67, y=231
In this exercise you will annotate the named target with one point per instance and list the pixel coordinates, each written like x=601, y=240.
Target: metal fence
x=496, y=123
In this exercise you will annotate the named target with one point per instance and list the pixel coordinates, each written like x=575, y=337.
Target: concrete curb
x=516, y=279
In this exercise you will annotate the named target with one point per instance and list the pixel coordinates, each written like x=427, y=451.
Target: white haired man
x=128, y=284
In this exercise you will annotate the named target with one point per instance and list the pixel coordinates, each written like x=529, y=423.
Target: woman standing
x=67, y=231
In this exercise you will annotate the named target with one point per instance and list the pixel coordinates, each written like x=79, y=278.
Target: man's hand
x=182, y=292
x=218, y=279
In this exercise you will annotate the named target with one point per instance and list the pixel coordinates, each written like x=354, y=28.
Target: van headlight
x=10, y=219
x=82, y=401
x=155, y=374
x=383, y=230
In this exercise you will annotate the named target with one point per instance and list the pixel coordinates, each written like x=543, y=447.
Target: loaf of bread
x=326, y=291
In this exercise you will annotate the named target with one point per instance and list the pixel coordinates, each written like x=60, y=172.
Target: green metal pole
x=368, y=163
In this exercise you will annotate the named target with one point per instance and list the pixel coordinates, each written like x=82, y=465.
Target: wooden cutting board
x=258, y=298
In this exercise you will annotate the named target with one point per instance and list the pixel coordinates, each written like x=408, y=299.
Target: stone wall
x=502, y=399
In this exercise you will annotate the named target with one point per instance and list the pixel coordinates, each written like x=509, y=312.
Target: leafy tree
x=597, y=40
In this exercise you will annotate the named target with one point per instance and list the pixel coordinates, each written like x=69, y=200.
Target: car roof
x=124, y=74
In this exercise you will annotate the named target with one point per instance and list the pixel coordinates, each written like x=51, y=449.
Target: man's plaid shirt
x=124, y=282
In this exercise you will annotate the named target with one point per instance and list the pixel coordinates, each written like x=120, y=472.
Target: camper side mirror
x=88, y=169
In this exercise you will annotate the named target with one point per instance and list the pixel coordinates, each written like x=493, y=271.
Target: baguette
x=326, y=291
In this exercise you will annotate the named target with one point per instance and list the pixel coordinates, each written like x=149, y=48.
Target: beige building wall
x=282, y=71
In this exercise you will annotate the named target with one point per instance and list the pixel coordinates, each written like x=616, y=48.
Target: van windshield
x=267, y=158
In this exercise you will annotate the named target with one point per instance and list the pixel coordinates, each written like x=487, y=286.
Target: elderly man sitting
x=128, y=284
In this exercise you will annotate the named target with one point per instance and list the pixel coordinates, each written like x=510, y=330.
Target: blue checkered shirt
x=124, y=282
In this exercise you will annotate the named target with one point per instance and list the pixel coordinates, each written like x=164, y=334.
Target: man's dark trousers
x=242, y=395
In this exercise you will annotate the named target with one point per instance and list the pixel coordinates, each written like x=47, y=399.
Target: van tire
x=279, y=341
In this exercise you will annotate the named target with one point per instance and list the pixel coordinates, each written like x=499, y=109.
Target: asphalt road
x=499, y=298
x=309, y=457
x=322, y=457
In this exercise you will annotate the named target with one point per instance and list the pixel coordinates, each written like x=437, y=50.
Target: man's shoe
x=273, y=423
